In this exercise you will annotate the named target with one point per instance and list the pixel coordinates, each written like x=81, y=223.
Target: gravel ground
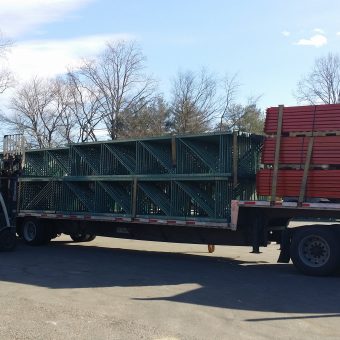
x=123, y=289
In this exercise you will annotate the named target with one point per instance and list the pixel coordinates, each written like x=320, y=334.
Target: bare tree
x=35, y=113
x=322, y=84
x=73, y=108
x=6, y=78
x=230, y=87
x=53, y=112
x=83, y=107
x=118, y=82
x=63, y=105
x=194, y=103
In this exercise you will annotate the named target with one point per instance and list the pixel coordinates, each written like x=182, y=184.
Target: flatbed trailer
x=314, y=249
x=185, y=189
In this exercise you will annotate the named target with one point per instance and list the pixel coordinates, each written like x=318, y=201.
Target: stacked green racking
x=191, y=177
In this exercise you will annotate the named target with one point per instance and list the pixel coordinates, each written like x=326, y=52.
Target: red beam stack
x=304, y=118
x=298, y=125
x=320, y=183
x=326, y=150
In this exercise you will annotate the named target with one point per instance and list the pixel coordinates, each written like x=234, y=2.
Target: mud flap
x=285, y=246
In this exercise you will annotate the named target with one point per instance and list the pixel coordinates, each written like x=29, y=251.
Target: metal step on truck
x=204, y=189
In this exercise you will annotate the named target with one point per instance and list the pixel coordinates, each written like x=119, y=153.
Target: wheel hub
x=317, y=250
x=314, y=250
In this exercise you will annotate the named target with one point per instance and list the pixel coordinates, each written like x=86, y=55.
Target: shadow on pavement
x=224, y=282
x=295, y=317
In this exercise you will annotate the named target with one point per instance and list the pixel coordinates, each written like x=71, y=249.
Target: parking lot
x=123, y=289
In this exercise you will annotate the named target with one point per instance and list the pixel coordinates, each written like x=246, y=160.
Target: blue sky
x=270, y=44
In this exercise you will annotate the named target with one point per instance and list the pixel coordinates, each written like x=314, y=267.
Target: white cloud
x=20, y=16
x=285, y=33
x=319, y=30
x=317, y=40
x=337, y=33
x=47, y=58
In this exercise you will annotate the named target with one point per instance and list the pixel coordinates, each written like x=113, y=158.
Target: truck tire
x=8, y=240
x=315, y=250
x=33, y=232
x=91, y=237
x=81, y=237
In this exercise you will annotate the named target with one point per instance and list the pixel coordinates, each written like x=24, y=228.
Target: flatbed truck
x=35, y=214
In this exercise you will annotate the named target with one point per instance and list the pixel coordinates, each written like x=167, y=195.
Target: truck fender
x=286, y=239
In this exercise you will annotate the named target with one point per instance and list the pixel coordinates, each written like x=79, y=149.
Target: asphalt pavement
x=124, y=289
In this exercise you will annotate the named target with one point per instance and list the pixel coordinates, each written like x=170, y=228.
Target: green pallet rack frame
x=172, y=177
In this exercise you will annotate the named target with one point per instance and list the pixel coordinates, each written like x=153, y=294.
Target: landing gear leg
x=211, y=248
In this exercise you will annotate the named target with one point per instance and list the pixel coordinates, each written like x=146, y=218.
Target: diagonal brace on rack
x=118, y=195
x=204, y=156
x=86, y=160
x=62, y=166
x=127, y=161
x=200, y=197
x=81, y=195
x=36, y=166
x=43, y=193
x=166, y=162
x=157, y=196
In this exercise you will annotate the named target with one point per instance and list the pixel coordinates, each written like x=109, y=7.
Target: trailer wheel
x=33, y=232
x=81, y=237
x=91, y=237
x=315, y=251
x=8, y=240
